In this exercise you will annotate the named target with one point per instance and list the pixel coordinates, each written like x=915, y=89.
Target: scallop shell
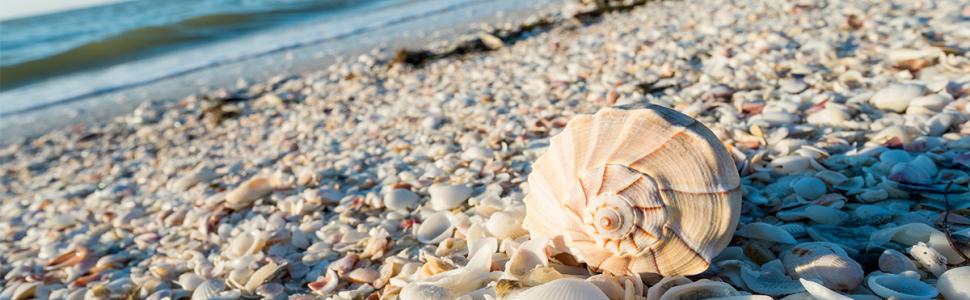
x=645, y=190
x=208, y=289
x=563, y=289
x=900, y=287
x=953, y=283
x=825, y=263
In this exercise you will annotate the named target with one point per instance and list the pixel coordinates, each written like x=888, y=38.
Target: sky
x=10, y=9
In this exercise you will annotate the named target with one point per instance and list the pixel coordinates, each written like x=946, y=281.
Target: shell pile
x=846, y=124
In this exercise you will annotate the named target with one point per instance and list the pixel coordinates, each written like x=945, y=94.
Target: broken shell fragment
x=893, y=286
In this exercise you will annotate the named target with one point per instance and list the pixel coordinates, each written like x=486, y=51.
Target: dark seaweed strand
x=946, y=223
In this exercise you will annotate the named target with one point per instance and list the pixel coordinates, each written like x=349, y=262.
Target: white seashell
x=825, y=215
x=808, y=187
x=769, y=280
x=900, y=287
x=928, y=258
x=425, y=291
x=890, y=158
x=401, y=200
x=896, y=97
x=477, y=152
x=608, y=285
x=792, y=86
x=528, y=256
x=940, y=123
x=830, y=116
x=953, y=283
x=913, y=233
x=363, y=275
x=189, y=281
x=563, y=289
x=325, y=284
x=445, y=197
x=702, y=289
x=908, y=172
x=930, y=103
x=893, y=262
x=657, y=290
x=244, y=244
x=21, y=291
x=248, y=192
x=616, y=179
x=820, y=291
x=448, y=284
x=831, y=177
x=435, y=228
x=744, y=297
x=263, y=275
x=790, y=164
x=767, y=232
x=505, y=224
x=202, y=174
x=208, y=289
x=825, y=263
x=272, y=291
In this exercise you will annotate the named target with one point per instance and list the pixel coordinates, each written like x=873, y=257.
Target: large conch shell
x=643, y=190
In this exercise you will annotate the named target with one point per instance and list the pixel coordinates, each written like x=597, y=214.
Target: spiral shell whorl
x=642, y=190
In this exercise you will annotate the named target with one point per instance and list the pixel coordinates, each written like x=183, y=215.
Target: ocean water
x=40, y=47
x=56, y=59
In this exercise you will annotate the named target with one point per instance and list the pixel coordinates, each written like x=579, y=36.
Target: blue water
x=100, y=61
x=41, y=47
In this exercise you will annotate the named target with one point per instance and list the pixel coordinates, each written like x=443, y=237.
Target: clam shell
x=505, y=224
x=631, y=190
x=563, y=289
x=702, y=289
x=657, y=290
x=894, y=262
x=809, y=187
x=435, y=228
x=401, y=200
x=820, y=291
x=363, y=275
x=766, y=232
x=953, y=283
x=248, y=192
x=900, y=287
x=896, y=97
x=445, y=197
x=770, y=279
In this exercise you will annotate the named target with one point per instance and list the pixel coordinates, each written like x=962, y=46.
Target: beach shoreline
x=447, y=25
x=591, y=156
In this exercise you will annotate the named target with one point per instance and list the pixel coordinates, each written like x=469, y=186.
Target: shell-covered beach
x=405, y=175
